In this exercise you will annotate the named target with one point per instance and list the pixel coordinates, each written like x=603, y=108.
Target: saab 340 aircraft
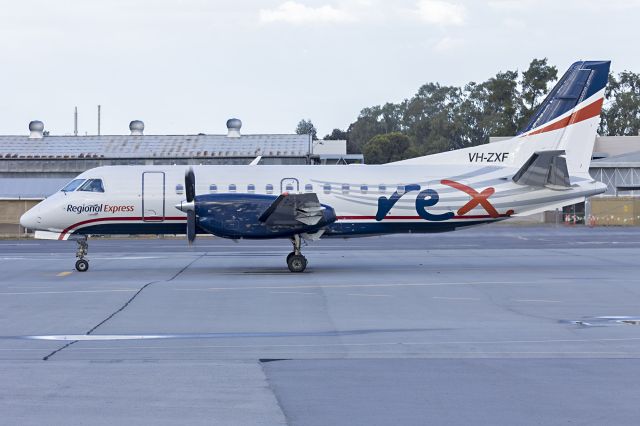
x=544, y=167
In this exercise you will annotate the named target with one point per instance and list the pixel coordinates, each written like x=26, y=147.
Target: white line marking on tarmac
x=68, y=291
x=131, y=257
x=537, y=300
x=292, y=292
x=368, y=295
x=455, y=298
x=112, y=337
x=280, y=287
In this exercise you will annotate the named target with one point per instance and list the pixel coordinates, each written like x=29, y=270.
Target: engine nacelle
x=237, y=216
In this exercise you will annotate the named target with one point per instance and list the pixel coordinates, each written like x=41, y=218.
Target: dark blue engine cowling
x=236, y=216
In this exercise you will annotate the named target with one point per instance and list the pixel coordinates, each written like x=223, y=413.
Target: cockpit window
x=73, y=185
x=92, y=185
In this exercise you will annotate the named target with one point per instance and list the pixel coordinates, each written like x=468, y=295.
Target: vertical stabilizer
x=568, y=118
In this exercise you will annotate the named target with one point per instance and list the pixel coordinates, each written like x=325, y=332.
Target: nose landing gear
x=83, y=249
x=295, y=260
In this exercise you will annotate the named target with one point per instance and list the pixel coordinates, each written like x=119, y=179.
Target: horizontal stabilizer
x=545, y=169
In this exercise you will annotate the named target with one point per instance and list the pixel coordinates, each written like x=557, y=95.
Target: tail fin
x=567, y=120
x=569, y=117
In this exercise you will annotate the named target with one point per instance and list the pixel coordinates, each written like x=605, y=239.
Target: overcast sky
x=186, y=66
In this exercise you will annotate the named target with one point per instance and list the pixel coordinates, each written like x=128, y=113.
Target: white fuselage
x=428, y=198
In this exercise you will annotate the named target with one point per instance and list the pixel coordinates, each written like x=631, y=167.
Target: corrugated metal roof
x=631, y=159
x=154, y=146
x=27, y=188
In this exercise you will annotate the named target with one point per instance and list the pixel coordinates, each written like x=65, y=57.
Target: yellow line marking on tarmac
x=65, y=273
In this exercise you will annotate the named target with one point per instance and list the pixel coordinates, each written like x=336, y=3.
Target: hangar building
x=34, y=166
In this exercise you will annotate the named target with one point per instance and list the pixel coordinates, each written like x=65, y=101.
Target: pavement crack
x=124, y=306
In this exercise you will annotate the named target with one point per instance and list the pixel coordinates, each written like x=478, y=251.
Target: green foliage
x=306, y=127
x=336, y=135
x=621, y=114
x=535, y=82
x=441, y=118
x=386, y=148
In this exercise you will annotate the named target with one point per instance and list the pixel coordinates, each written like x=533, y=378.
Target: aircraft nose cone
x=29, y=220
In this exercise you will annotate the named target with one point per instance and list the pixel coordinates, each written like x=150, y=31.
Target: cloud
x=514, y=24
x=446, y=44
x=511, y=5
x=292, y=12
x=441, y=12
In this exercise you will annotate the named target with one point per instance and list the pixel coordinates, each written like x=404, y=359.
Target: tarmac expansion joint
x=124, y=306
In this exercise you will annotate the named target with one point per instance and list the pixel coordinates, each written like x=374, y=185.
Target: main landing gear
x=295, y=260
x=83, y=249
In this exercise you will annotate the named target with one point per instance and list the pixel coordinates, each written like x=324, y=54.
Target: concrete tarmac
x=491, y=325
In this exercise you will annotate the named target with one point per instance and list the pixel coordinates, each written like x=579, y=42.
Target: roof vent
x=137, y=128
x=36, y=129
x=233, y=128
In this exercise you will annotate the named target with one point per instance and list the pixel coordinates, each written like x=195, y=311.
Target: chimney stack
x=36, y=129
x=137, y=128
x=233, y=128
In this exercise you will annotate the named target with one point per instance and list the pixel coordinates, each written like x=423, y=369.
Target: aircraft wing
x=293, y=209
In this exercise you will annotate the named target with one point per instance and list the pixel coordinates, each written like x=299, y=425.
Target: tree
x=621, y=115
x=306, y=127
x=336, y=135
x=441, y=118
x=386, y=148
x=490, y=109
x=535, y=85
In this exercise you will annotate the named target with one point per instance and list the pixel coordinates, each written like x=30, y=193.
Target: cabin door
x=153, y=195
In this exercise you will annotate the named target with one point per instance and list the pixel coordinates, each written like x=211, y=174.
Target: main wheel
x=297, y=263
x=82, y=265
x=289, y=256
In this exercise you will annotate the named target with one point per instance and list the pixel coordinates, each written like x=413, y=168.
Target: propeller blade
x=191, y=226
x=190, y=184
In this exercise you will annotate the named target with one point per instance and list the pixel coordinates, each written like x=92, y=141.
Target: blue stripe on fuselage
x=337, y=229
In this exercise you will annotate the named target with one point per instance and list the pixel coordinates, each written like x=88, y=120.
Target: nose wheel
x=295, y=260
x=82, y=265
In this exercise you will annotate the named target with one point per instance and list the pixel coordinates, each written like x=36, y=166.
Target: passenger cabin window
x=73, y=185
x=179, y=189
x=232, y=187
x=289, y=187
x=251, y=188
x=92, y=185
x=327, y=188
x=213, y=188
x=400, y=189
x=364, y=189
x=269, y=188
x=382, y=189
x=345, y=188
x=308, y=188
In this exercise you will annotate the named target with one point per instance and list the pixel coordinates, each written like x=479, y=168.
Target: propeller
x=190, y=184
x=188, y=206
